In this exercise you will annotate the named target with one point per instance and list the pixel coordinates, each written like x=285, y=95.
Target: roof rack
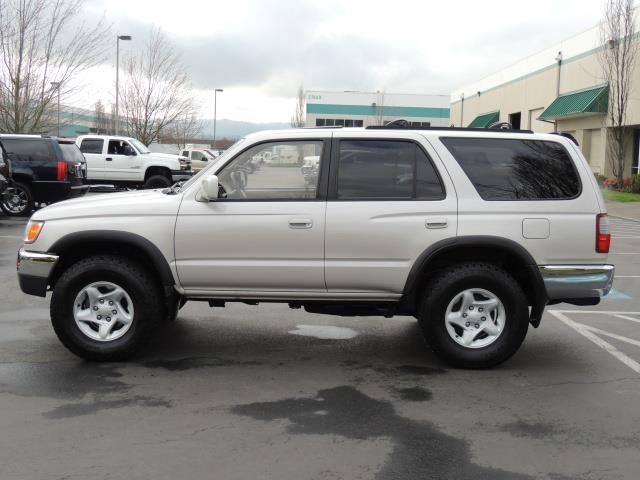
x=451, y=129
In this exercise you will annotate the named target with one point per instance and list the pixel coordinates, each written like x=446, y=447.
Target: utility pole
x=56, y=85
x=215, y=105
x=118, y=38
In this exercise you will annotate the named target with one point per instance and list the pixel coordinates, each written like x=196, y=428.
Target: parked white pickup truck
x=127, y=161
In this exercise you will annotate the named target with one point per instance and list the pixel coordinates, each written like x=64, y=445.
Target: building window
x=338, y=122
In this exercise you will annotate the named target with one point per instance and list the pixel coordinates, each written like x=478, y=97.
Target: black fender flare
x=539, y=293
x=157, y=258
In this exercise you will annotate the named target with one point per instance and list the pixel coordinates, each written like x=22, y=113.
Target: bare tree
x=156, y=90
x=40, y=46
x=618, y=61
x=184, y=129
x=297, y=119
x=101, y=120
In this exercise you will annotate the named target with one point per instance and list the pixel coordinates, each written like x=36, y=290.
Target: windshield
x=141, y=147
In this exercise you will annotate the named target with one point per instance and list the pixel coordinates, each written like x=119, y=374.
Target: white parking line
x=624, y=317
x=613, y=335
x=586, y=332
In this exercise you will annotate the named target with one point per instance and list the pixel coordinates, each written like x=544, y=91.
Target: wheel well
x=499, y=256
x=164, y=171
x=21, y=178
x=71, y=253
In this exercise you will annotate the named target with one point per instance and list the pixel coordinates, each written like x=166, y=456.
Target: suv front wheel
x=102, y=306
x=474, y=315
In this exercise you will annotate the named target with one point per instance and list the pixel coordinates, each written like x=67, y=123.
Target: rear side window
x=71, y=153
x=512, y=169
x=386, y=169
x=91, y=145
x=32, y=150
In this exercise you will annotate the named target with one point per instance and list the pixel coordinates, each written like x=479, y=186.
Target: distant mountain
x=236, y=129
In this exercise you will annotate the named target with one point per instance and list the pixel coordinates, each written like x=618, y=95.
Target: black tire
x=144, y=291
x=442, y=290
x=157, y=181
x=17, y=200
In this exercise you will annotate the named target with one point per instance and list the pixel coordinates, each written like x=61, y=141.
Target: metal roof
x=588, y=101
x=484, y=120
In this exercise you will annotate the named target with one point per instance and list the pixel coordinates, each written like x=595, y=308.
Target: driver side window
x=273, y=171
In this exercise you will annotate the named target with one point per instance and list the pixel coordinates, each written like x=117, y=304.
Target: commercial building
x=362, y=109
x=561, y=87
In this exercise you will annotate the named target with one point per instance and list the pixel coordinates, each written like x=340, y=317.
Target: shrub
x=635, y=185
x=600, y=178
x=611, y=182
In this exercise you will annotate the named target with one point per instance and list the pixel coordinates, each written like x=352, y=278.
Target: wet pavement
x=270, y=393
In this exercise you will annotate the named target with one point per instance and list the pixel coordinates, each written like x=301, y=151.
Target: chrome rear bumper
x=577, y=281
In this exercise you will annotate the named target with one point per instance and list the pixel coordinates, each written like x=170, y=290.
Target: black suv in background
x=5, y=172
x=44, y=170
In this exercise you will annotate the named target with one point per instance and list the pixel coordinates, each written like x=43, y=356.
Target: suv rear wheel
x=17, y=200
x=474, y=315
x=102, y=306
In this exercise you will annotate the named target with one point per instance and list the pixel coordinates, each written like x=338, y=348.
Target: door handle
x=108, y=159
x=434, y=223
x=300, y=223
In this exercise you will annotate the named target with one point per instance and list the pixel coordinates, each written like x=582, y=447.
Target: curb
x=625, y=218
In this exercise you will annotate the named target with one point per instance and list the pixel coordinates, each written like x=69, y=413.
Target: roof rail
x=451, y=129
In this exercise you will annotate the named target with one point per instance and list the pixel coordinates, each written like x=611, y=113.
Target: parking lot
x=267, y=392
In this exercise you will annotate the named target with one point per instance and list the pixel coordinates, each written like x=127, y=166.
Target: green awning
x=582, y=102
x=484, y=120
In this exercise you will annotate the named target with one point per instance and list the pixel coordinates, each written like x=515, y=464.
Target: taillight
x=63, y=170
x=603, y=233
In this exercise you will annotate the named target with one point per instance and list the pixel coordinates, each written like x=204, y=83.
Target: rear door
x=389, y=200
x=93, y=150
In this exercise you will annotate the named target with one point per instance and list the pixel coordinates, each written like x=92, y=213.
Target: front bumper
x=566, y=282
x=34, y=269
x=177, y=175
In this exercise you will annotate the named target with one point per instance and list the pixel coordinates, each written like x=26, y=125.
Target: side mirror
x=209, y=189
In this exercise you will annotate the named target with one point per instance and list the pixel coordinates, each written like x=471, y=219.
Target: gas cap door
x=536, y=228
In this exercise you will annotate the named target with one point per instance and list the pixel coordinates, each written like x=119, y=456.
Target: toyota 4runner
x=473, y=232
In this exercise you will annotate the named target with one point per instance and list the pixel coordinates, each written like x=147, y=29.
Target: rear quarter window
x=516, y=169
x=28, y=150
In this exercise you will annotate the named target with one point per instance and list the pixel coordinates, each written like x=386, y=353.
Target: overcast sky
x=259, y=51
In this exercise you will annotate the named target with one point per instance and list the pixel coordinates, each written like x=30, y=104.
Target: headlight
x=32, y=231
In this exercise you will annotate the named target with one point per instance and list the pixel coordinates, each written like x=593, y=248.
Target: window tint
x=71, y=153
x=274, y=171
x=32, y=150
x=508, y=169
x=120, y=147
x=386, y=169
x=91, y=145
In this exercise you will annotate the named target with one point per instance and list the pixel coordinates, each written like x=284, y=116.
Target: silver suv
x=473, y=232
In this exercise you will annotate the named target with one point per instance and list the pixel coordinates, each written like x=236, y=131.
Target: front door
x=121, y=161
x=266, y=233
x=389, y=200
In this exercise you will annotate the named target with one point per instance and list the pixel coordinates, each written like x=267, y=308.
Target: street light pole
x=56, y=85
x=215, y=106
x=118, y=38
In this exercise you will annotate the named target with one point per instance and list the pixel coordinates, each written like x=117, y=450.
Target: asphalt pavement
x=266, y=392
